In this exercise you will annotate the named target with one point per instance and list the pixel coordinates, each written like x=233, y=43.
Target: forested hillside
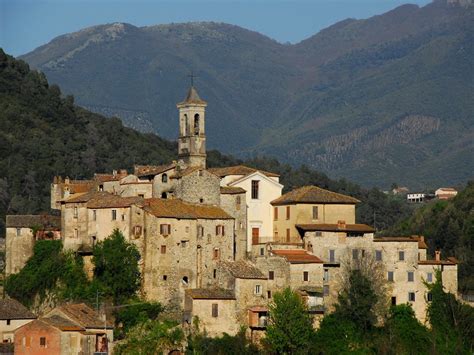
x=448, y=226
x=378, y=100
x=43, y=135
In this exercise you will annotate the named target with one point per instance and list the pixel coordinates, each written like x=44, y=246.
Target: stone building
x=22, y=231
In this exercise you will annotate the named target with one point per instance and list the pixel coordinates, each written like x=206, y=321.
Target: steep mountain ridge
x=352, y=83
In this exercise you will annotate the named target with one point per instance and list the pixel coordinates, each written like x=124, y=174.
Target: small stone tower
x=192, y=135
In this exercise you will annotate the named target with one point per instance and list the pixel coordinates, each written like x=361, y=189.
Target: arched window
x=163, y=195
x=196, y=123
x=186, y=125
x=164, y=178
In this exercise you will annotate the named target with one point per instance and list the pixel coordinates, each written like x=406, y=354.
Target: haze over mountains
x=382, y=100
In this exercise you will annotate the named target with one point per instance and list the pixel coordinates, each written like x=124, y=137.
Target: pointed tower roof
x=193, y=98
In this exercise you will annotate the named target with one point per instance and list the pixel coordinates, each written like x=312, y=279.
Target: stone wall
x=199, y=187
x=18, y=249
x=230, y=204
x=187, y=258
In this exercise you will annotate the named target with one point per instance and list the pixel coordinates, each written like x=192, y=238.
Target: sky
x=27, y=24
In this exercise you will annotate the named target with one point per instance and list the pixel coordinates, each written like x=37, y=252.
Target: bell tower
x=192, y=134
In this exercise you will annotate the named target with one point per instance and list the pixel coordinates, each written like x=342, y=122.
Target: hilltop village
x=217, y=243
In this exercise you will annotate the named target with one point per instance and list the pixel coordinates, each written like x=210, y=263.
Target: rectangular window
x=305, y=275
x=332, y=256
x=378, y=255
x=401, y=255
x=429, y=277
x=287, y=212
x=288, y=235
x=216, y=254
x=165, y=277
x=411, y=296
x=255, y=235
x=410, y=276
x=318, y=234
x=355, y=254
x=269, y=294
x=42, y=342
x=18, y=232
x=123, y=217
x=214, y=273
x=390, y=276
x=326, y=275
x=27, y=342
x=165, y=229
x=200, y=231
x=258, y=289
x=163, y=249
x=326, y=290
x=255, y=189
x=394, y=301
x=76, y=233
x=262, y=251
x=215, y=310
x=114, y=215
x=271, y=275
x=75, y=212
x=275, y=213
x=429, y=297
x=8, y=321
x=94, y=215
x=315, y=212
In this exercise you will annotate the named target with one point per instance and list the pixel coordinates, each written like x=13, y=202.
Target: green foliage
x=151, y=337
x=357, y=300
x=290, y=328
x=200, y=344
x=405, y=334
x=116, y=267
x=449, y=226
x=48, y=270
x=451, y=321
x=133, y=314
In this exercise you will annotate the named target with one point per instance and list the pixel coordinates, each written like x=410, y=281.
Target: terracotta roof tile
x=438, y=262
x=239, y=170
x=210, y=294
x=83, y=315
x=313, y=194
x=12, y=309
x=176, y=208
x=102, y=199
x=111, y=177
x=62, y=323
x=151, y=170
x=242, y=269
x=28, y=221
x=414, y=238
x=334, y=227
x=297, y=256
x=231, y=190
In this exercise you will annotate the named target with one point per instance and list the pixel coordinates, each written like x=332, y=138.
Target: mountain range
x=381, y=100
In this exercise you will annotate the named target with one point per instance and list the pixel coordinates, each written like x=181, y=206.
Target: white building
x=415, y=197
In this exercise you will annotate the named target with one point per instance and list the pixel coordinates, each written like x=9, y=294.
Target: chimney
x=114, y=173
x=341, y=224
x=66, y=180
x=438, y=255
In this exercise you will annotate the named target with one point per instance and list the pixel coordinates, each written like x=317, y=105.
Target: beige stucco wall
x=103, y=225
x=259, y=211
x=69, y=223
x=7, y=331
x=225, y=322
x=303, y=214
x=18, y=249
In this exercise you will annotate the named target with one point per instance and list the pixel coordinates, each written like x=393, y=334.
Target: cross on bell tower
x=192, y=135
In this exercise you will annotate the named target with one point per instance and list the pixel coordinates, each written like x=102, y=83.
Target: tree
x=135, y=313
x=404, y=333
x=116, y=267
x=151, y=337
x=290, y=328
